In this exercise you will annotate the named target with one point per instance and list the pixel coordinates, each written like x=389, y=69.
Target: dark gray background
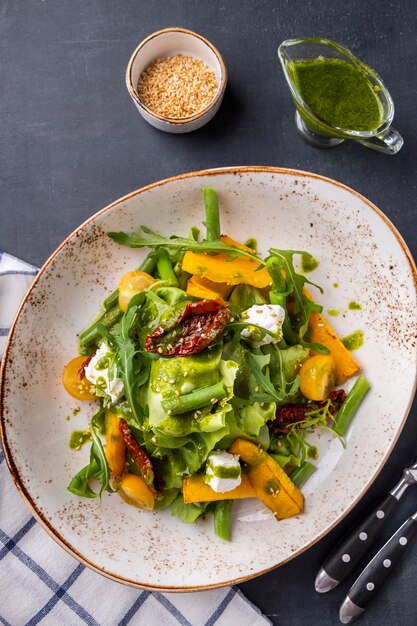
x=72, y=141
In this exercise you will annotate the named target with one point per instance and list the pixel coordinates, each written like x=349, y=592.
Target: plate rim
x=29, y=501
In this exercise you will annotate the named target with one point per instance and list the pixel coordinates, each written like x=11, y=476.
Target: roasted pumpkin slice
x=269, y=481
x=196, y=490
x=320, y=331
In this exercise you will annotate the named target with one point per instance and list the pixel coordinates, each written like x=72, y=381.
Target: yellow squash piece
x=196, y=490
x=115, y=449
x=318, y=376
x=233, y=242
x=269, y=481
x=220, y=269
x=320, y=331
x=134, y=490
x=207, y=290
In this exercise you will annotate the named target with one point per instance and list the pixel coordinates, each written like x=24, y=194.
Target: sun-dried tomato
x=199, y=324
x=337, y=398
x=291, y=413
x=81, y=371
x=140, y=457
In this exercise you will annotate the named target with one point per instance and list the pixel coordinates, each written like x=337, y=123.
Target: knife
x=349, y=552
x=377, y=571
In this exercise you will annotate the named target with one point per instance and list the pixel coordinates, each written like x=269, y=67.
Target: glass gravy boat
x=317, y=131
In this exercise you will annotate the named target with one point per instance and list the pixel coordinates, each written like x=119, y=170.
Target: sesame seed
x=177, y=86
x=177, y=393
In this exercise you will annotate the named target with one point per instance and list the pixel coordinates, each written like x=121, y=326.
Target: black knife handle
x=352, y=548
x=381, y=566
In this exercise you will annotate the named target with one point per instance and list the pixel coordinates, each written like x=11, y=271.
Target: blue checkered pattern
x=41, y=584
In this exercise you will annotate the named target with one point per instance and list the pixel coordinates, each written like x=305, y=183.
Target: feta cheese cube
x=97, y=372
x=223, y=471
x=268, y=316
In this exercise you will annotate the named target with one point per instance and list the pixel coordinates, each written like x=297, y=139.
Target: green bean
x=278, y=295
x=90, y=334
x=212, y=222
x=223, y=519
x=195, y=399
x=149, y=263
x=300, y=474
x=165, y=269
x=350, y=405
x=182, y=277
x=111, y=300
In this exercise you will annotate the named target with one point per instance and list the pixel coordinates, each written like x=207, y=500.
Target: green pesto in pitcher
x=338, y=93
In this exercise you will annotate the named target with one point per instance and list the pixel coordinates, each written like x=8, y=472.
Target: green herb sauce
x=312, y=452
x=333, y=312
x=252, y=244
x=354, y=306
x=308, y=263
x=338, y=93
x=354, y=340
x=79, y=438
x=226, y=472
x=336, y=285
x=272, y=487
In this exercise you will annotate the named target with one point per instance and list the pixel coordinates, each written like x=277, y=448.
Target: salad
x=210, y=367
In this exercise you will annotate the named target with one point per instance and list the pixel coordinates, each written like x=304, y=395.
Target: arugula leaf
x=188, y=512
x=133, y=370
x=80, y=483
x=303, y=306
x=256, y=364
x=134, y=240
x=97, y=455
x=97, y=469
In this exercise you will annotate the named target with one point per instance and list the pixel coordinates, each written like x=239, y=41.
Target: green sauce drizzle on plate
x=354, y=340
x=308, y=263
x=79, y=438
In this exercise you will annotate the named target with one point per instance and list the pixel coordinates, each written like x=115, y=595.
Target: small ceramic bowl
x=169, y=42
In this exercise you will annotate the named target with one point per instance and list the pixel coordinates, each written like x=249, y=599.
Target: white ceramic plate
x=358, y=248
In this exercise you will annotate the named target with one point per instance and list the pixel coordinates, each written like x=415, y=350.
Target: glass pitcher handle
x=388, y=143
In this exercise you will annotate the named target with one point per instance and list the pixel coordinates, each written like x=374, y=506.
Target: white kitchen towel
x=41, y=584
